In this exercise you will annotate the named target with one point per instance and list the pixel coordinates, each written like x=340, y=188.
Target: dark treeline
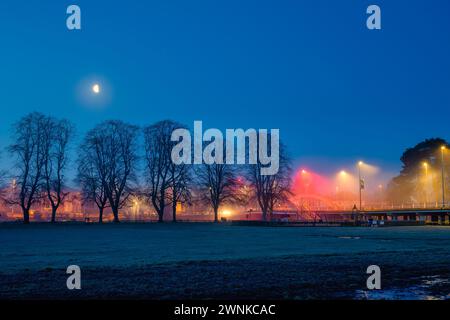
x=112, y=166
x=423, y=174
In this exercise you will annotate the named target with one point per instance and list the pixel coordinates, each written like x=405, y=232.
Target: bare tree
x=28, y=150
x=166, y=182
x=180, y=179
x=270, y=190
x=57, y=135
x=112, y=146
x=88, y=177
x=218, y=185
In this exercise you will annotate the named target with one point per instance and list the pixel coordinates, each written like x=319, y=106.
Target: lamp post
x=380, y=188
x=425, y=165
x=442, y=176
x=361, y=185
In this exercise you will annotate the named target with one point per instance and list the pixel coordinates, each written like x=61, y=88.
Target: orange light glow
x=226, y=213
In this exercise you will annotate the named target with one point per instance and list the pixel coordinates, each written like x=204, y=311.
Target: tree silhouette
x=89, y=179
x=406, y=187
x=167, y=183
x=217, y=183
x=57, y=136
x=28, y=151
x=112, y=148
x=270, y=190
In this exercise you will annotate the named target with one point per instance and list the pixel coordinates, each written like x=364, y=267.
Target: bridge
x=427, y=216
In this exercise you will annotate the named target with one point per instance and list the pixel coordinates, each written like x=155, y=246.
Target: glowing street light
x=341, y=182
x=361, y=184
x=226, y=213
x=135, y=206
x=425, y=165
x=442, y=175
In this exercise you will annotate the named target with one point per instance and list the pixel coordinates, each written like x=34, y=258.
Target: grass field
x=179, y=261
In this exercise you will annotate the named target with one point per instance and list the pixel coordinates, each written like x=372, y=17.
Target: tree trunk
x=174, y=211
x=54, y=208
x=100, y=215
x=264, y=214
x=162, y=206
x=115, y=211
x=26, y=216
x=216, y=214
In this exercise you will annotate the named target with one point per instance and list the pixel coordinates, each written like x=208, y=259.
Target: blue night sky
x=337, y=91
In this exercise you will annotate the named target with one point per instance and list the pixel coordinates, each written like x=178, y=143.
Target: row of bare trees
x=108, y=162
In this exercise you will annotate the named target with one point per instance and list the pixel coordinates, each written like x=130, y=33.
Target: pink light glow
x=307, y=182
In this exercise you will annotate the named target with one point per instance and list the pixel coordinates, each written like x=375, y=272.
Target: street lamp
x=442, y=176
x=342, y=178
x=380, y=188
x=361, y=184
x=425, y=165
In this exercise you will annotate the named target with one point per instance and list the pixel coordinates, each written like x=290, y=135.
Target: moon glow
x=96, y=88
